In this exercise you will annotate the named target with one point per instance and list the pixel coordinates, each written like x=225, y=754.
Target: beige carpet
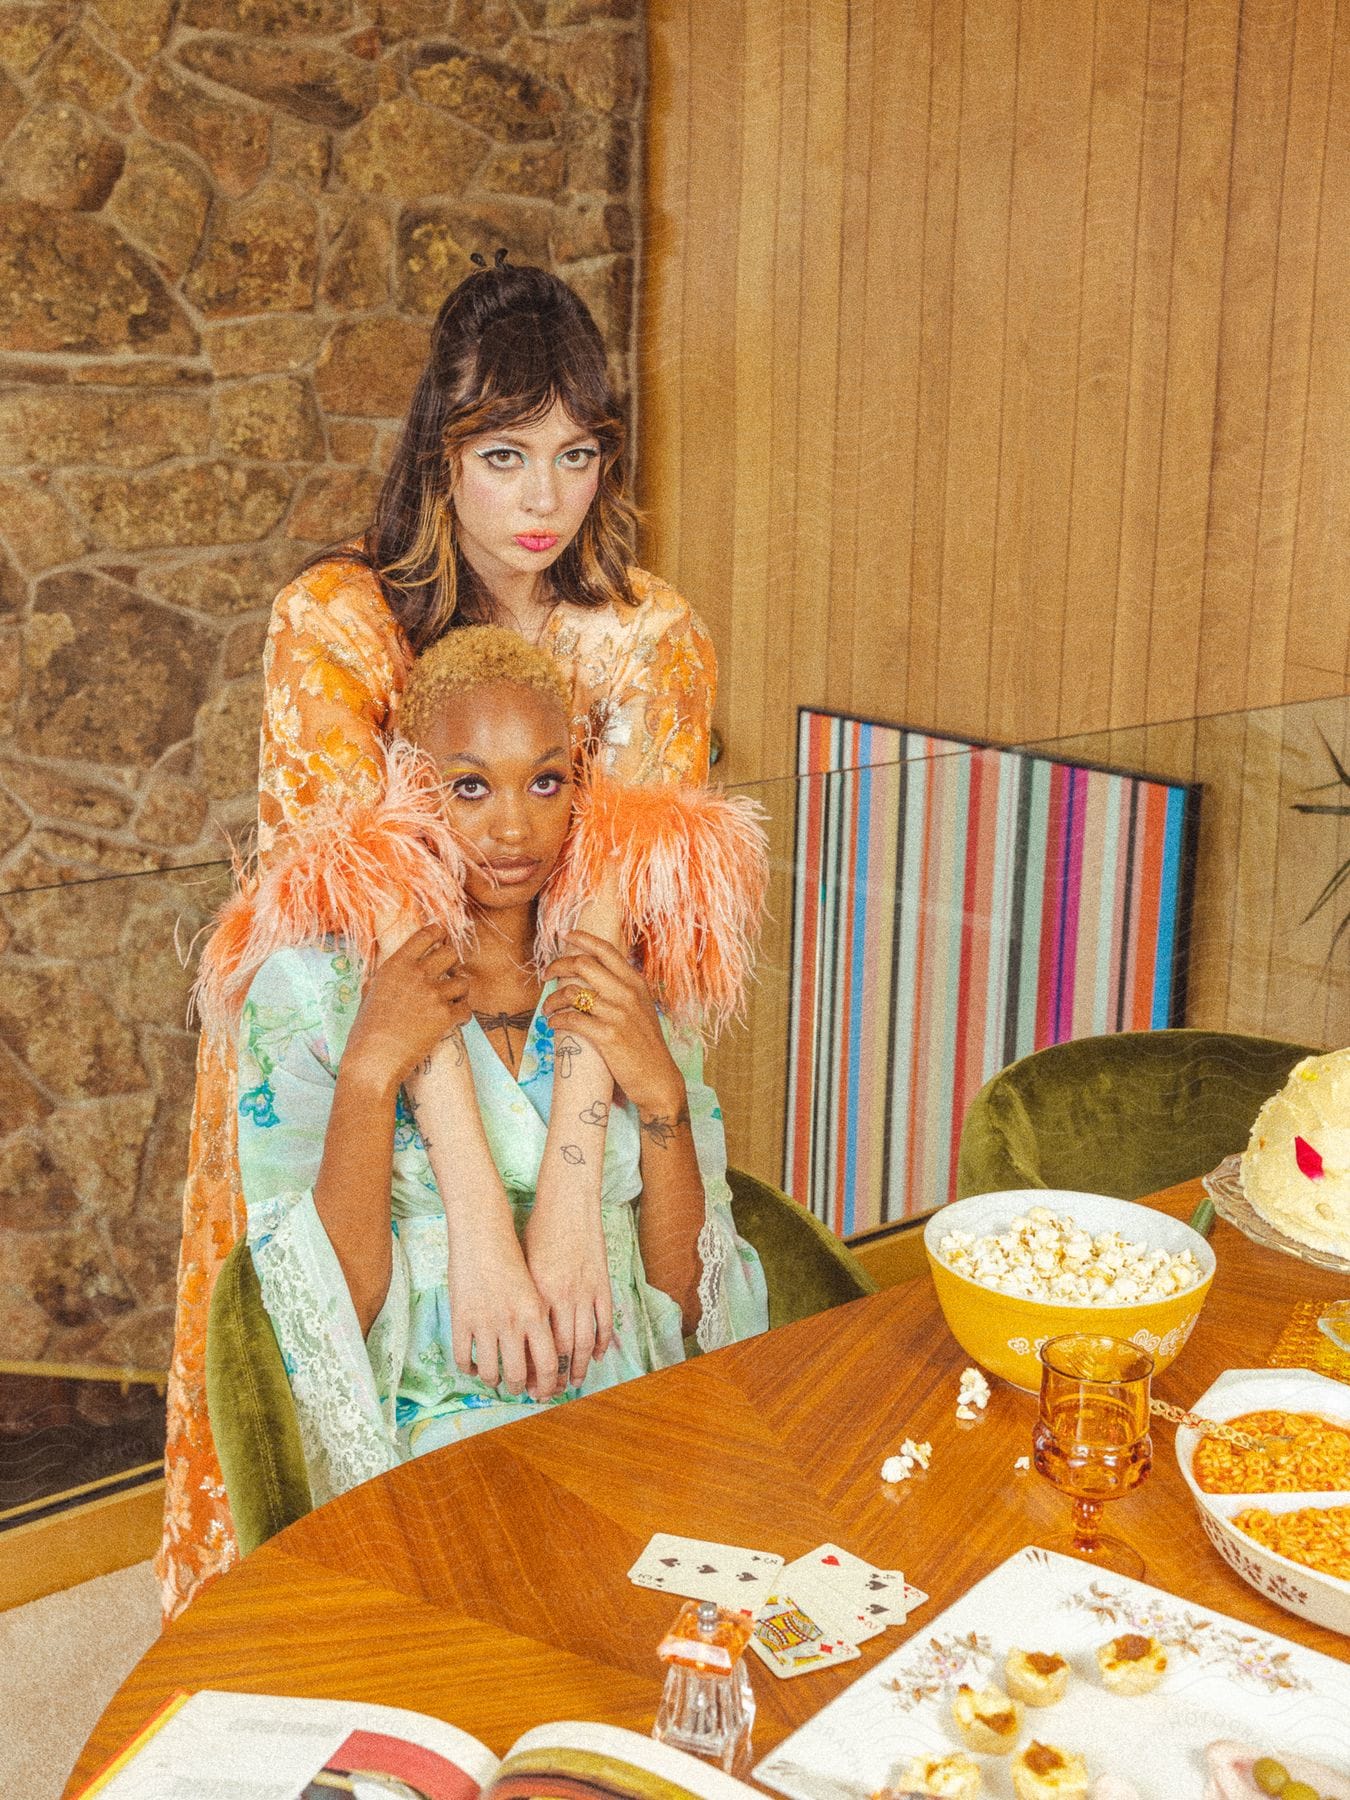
x=61, y=1661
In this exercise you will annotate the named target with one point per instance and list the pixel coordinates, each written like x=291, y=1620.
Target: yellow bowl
x=1004, y=1332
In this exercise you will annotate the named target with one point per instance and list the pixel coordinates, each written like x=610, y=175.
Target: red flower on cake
x=1308, y=1159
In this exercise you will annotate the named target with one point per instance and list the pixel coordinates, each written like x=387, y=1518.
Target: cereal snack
x=1132, y=1664
x=1035, y=1677
x=1316, y=1459
x=1316, y=1536
x=986, y=1719
x=1044, y=1772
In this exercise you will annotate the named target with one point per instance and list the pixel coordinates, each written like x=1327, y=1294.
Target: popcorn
x=1023, y=1462
x=900, y=1468
x=973, y=1393
x=1044, y=1256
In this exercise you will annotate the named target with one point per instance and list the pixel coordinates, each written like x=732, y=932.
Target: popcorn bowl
x=1004, y=1332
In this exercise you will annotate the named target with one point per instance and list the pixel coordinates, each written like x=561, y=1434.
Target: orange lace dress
x=643, y=681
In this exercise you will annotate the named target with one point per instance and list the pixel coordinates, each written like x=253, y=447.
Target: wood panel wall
x=995, y=357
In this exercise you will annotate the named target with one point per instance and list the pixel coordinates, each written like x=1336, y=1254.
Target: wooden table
x=485, y=1583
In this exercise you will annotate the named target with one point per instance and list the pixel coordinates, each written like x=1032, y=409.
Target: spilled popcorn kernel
x=897, y=1468
x=919, y=1453
x=973, y=1393
x=1023, y=1462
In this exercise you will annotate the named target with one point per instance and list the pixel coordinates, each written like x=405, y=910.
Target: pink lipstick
x=536, y=541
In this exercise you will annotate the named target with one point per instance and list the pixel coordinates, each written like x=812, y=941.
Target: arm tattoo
x=417, y=1117
x=455, y=1039
x=572, y=1154
x=565, y=1054
x=661, y=1128
x=597, y=1113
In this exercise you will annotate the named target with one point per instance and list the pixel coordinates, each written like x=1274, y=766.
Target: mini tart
x=1036, y=1677
x=954, y=1777
x=1132, y=1664
x=986, y=1719
x=1044, y=1772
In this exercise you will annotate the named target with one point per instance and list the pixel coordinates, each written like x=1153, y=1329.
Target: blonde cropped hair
x=475, y=656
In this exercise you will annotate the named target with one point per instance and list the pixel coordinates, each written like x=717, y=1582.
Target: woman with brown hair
x=504, y=503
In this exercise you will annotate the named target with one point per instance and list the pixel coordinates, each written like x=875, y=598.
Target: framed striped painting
x=956, y=906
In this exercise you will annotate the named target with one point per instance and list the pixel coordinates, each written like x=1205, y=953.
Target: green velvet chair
x=248, y=1395
x=807, y=1268
x=248, y=1400
x=1125, y=1114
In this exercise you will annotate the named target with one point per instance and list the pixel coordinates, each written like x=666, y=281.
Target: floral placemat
x=1303, y=1346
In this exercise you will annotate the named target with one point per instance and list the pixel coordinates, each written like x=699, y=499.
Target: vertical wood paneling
x=1109, y=258
x=995, y=357
x=1265, y=62
x=1291, y=348
x=661, y=385
x=815, y=364
x=918, y=680
x=978, y=325
x=1041, y=351
x=880, y=435
x=1149, y=322
x=1194, y=315
x=1319, y=618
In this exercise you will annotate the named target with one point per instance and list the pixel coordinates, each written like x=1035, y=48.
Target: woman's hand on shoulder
x=621, y=1022
x=417, y=997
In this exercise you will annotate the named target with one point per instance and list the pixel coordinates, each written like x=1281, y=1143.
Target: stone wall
x=224, y=227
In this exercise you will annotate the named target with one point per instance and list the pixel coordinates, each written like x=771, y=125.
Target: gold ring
x=583, y=1000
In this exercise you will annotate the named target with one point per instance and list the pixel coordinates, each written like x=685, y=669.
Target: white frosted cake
x=1296, y=1168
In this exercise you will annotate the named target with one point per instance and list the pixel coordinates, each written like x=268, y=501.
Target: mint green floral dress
x=366, y=1404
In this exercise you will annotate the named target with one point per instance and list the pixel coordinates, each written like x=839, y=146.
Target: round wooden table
x=485, y=1583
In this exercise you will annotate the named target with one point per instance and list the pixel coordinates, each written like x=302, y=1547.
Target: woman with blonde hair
x=504, y=503
x=347, y=1227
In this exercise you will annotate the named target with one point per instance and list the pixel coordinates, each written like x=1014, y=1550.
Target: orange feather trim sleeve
x=348, y=871
x=692, y=868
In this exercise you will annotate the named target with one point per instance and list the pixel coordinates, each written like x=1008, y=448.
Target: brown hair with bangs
x=507, y=343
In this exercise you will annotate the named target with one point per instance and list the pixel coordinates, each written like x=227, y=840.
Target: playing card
x=698, y=1569
x=792, y=1642
x=848, y=1590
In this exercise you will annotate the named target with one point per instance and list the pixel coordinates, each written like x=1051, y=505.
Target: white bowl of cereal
x=1280, y=1517
x=1015, y=1268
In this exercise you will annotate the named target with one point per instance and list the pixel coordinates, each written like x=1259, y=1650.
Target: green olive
x=1270, y=1776
x=1298, y=1790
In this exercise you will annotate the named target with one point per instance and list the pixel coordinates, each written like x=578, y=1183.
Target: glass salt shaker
x=707, y=1705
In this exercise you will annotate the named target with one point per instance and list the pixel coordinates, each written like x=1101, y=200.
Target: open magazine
x=219, y=1746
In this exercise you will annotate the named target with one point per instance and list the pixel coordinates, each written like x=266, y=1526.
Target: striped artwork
x=955, y=907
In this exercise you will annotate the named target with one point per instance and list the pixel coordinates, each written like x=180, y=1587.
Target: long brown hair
x=507, y=343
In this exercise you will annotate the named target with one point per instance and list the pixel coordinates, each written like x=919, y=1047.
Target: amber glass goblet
x=1091, y=1438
